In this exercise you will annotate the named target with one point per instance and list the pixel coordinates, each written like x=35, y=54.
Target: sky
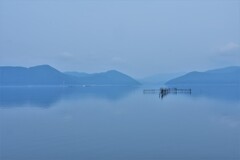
x=140, y=38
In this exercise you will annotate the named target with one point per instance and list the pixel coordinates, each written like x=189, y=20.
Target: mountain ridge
x=227, y=75
x=47, y=75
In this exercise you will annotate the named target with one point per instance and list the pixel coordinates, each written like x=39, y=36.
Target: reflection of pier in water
x=162, y=92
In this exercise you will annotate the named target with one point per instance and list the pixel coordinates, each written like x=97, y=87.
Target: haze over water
x=118, y=123
x=85, y=116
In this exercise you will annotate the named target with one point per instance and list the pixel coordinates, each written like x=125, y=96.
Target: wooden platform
x=162, y=92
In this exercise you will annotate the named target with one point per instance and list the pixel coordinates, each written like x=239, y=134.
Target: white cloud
x=228, y=54
x=118, y=60
x=66, y=55
x=229, y=47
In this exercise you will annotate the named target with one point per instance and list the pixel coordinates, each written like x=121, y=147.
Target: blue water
x=119, y=123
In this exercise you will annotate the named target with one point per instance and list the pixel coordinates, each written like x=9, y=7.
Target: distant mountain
x=47, y=75
x=77, y=74
x=112, y=77
x=38, y=75
x=160, y=78
x=228, y=75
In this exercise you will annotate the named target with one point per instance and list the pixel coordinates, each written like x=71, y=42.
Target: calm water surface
x=119, y=123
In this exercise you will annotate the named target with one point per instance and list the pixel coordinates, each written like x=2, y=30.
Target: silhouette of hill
x=228, y=75
x=111, y=77
x=159, y=79
x=77, y=74
x=47, y=75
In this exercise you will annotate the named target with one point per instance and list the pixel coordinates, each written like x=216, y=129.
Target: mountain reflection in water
x=47, y=96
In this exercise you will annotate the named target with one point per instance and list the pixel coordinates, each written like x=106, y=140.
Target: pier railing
x=165, y=91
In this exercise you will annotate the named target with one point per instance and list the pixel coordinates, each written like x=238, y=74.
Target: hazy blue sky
x=139, y=38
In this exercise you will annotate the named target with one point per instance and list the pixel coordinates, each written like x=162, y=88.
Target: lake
x=119, y=123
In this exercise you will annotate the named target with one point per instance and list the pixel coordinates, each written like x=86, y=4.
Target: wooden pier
x=165, y=91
